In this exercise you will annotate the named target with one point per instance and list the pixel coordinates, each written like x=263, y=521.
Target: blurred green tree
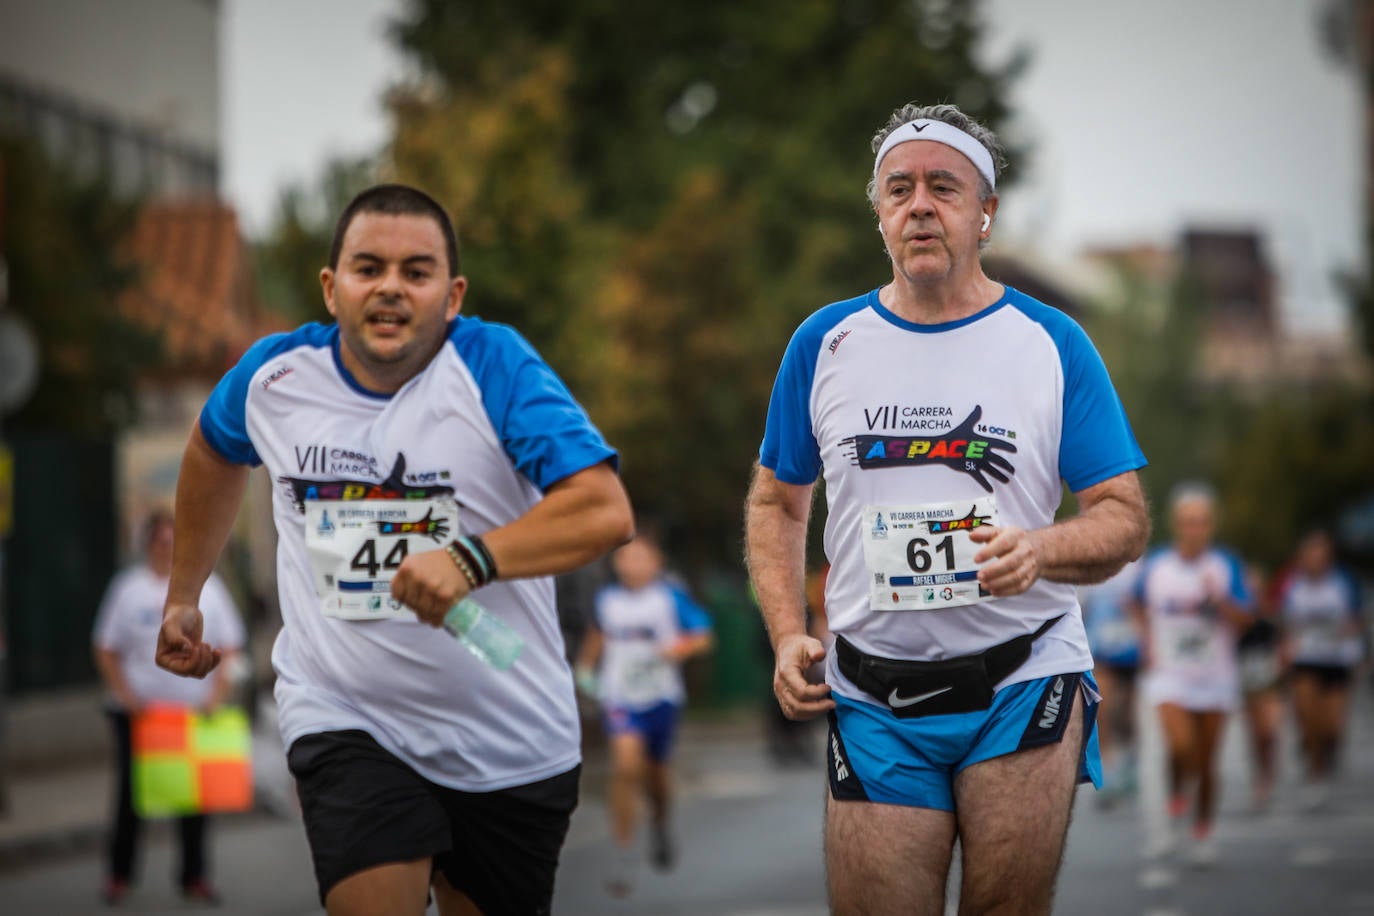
x=63, y=238
x=657, y=194
x=1149, y=334
x=1283, y=459
x=1302, y=458
x=289, y=257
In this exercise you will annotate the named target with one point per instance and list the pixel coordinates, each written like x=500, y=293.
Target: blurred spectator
x=125, y=636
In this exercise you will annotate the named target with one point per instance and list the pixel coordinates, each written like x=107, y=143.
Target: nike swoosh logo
x=897, y=702
x=919, y=127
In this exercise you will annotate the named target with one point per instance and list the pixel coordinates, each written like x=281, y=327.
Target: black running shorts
x=364, y=807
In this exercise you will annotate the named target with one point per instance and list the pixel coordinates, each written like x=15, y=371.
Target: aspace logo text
x=967, y=523
x=961, y=449
x=394, y=486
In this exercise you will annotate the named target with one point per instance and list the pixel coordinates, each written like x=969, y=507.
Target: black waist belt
x=911, y=689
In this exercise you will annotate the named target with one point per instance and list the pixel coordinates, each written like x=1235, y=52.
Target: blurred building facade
x=127, y=93
x=129, y=90
x=1235, y=288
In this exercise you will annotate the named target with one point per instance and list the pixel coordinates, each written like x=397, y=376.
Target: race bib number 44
x=356, y=546
x=921, y=557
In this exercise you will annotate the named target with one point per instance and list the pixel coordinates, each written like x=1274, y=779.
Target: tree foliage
x=63, y=238
x=289, y=258
x=1283, y=459
x=657, y=194
x=1302, y=458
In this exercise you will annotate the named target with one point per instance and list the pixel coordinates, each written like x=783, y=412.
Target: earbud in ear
x=987, y=221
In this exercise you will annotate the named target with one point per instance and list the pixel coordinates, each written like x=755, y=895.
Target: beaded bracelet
x=462, y=565
x=472, y=556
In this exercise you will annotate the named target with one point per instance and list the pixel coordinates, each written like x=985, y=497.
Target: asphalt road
x=750, y=839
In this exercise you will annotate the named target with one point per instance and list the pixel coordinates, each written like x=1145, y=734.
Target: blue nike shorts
x=874, y=756
x=657, y=725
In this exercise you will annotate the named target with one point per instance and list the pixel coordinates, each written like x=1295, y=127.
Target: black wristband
x=479, y=547
x=475, y=559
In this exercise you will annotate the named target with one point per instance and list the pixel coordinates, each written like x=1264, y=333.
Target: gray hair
x=1192, y=491
x=952, y=116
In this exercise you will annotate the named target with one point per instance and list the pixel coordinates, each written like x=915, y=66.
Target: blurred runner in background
x=1260, y=682
x=644, y=628
x=1193, y=599
x=1322, y=616
x=1114, y=635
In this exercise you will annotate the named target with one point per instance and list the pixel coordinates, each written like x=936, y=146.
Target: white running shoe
x=1313, y=796
x=620, y=880
x=1203, y=853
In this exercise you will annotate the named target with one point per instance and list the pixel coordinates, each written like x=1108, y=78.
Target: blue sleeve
x=1352, y=589
x=1137, y=592
x=1238, y=591
x=543, y=429
x=223, y=419
x=789, y=447
x=691, y=617
x=1096, y=442
x=597, y=602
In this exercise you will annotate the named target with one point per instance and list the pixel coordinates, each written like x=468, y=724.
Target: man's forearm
x=1094, y=545
x=775, y=552
x=578, y=520
x=209, y=492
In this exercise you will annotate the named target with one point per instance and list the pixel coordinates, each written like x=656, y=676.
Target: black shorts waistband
x=954, y=685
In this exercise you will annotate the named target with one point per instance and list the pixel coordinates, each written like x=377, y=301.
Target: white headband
x=940, y=132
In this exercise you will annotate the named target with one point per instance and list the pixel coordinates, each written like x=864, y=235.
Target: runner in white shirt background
x=645, y=627
x=126, y=629
x=1114, y=636
x=417, y=457
x=1323, y=619
x=945, y=412
x=1193, y=602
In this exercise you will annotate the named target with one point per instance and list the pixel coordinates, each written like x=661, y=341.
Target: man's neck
x=950, y=298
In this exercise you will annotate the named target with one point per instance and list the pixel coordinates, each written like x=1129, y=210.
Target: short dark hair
x=395, y=200
x=154, y=522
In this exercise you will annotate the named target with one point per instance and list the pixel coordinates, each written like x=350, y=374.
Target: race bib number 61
x=921, y=557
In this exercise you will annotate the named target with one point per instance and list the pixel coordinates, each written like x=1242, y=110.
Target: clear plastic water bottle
x=484, y=634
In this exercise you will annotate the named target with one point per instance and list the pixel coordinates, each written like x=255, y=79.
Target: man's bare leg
x=1013, y=819
x=400, y=888
x=886, y=860
x=450, y=900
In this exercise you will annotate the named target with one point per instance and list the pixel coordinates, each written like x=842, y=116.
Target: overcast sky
x=1143, y=118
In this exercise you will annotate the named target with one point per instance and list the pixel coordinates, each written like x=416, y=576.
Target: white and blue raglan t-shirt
x=1323, y=616
x=637, y=625
x=467, y=445
x=924, y=432
x=1194, y=660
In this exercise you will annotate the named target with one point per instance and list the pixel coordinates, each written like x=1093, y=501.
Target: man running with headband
x=945, y=412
